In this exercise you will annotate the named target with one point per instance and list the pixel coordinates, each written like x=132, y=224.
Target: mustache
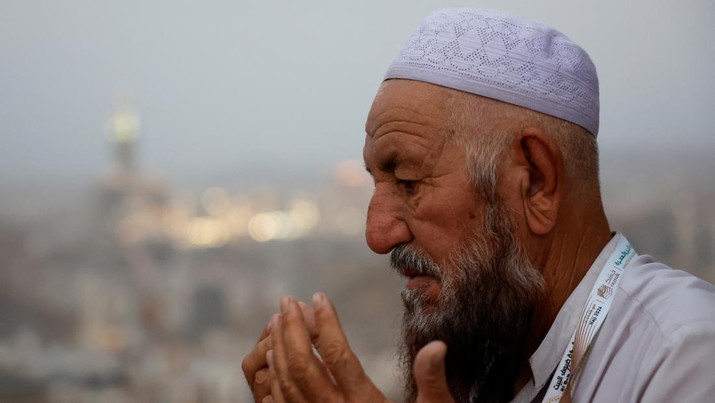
x=408, y=260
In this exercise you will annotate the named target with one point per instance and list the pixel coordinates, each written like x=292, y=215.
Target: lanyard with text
x=592, y=317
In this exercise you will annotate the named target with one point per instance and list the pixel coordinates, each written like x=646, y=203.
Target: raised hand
x=300, y=375
x=283, y=367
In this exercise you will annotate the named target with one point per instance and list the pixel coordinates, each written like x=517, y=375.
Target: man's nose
x=385, y=227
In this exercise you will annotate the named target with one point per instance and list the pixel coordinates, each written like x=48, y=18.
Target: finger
x=430, y=374
x=262, y=384
x=335, y=350
x=295, y=332
x=256, y=359
x=298, y=370
x=309, y=318
x=266, y=330
x=276, y=395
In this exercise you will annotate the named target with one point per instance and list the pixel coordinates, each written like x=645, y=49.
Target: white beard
x=483, y=312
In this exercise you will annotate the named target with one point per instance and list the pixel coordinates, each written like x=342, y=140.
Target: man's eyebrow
x=388, y=165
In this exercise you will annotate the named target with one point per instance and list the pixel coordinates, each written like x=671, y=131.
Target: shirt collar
x=547, y=356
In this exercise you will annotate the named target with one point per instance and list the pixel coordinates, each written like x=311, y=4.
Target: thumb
x=430, y=374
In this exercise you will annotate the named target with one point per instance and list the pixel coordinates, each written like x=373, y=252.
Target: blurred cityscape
x=132, y=289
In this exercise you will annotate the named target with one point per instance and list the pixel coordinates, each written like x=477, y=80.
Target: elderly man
x=482, y=146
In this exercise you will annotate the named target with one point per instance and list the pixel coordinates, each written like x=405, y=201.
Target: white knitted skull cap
x=505, y=57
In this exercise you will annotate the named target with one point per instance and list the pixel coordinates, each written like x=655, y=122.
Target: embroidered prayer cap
x=505, y=57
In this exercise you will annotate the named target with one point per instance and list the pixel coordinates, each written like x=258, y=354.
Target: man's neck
x=565, y=259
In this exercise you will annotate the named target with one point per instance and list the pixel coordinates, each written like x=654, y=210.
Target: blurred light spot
x=272, y=225
x=208, y=232
x=124, y=125
x=215, y=201
x=351, y=173
x=304, y=215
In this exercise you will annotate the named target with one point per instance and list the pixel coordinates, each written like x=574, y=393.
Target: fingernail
x=269, y=357
x=285, y=302
x=318, y=299
x=274, y=321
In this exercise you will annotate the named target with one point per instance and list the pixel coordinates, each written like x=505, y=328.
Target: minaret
x=131, y=202
x=123, y=129
x=122, y=181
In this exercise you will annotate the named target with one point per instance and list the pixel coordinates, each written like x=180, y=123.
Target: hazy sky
x=220, y=86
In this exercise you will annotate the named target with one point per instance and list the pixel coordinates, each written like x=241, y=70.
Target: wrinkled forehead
x=400, y=100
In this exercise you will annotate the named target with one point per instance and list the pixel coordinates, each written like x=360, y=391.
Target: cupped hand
x=299, y=374
x=285, y=367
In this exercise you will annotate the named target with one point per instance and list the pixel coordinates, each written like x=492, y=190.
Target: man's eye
x=408, y=185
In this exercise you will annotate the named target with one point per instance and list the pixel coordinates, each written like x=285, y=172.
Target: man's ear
x=543, y=182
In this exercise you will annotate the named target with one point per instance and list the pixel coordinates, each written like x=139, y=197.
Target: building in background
x=147, y=292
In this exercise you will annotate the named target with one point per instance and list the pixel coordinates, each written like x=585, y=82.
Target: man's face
x=470, y=282
x=423, y=196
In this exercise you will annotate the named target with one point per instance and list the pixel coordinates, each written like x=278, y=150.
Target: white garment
x=656, y=345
